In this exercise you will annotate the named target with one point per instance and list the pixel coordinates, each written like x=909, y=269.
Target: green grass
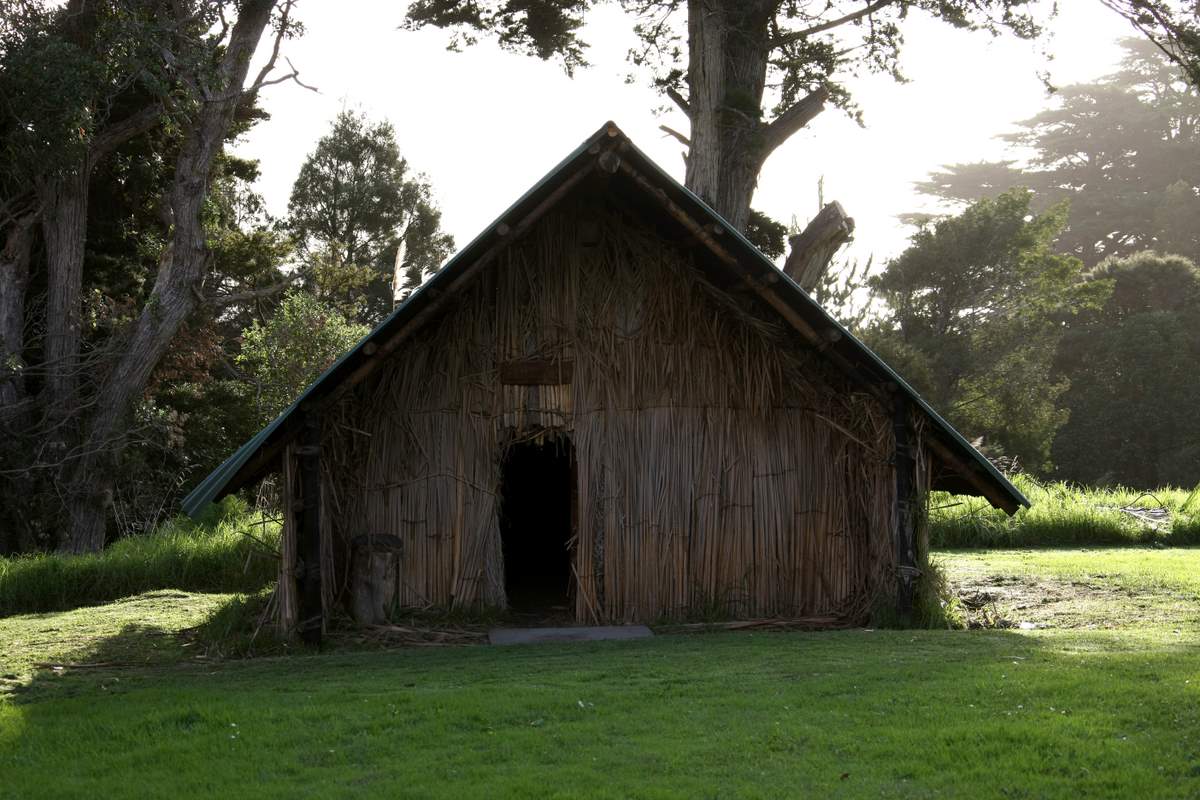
x=1138, y=570
x=1062, y=515
x=1069, y=711
x=228, y=551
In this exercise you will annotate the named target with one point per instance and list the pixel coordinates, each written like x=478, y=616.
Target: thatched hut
x=609, y=401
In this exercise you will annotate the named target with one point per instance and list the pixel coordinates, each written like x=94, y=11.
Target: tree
x=715, y=59
x=1173, y=26
x=197, y=407
x=976, y=307
x=78, y=83
x=353, y=207
x=1131, y=364
x=1125, y=150
x=287, y=353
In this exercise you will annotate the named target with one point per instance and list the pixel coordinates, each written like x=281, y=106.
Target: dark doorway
x=537, y=488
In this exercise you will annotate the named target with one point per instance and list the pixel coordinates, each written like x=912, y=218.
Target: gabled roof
x=959, y=467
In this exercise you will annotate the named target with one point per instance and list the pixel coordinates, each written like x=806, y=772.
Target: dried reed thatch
x=722, y=465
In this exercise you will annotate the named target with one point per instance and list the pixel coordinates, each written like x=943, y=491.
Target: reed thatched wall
x=722, y=464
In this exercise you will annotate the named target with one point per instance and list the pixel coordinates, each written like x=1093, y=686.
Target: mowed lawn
x=1102, y=699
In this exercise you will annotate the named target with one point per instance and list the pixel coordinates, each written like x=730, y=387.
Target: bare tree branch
x=867, y=10
x=679, y=100
x=685, y=141
x=294, y=76
x=284, y=13
x=116, y=134
x=800, y=114
x=1177, y=32
x=226, y=300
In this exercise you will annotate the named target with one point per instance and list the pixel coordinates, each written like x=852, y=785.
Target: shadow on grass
x=127, y=639
x=137, y=650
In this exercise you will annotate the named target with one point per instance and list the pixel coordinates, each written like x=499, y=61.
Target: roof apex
x=610, y=150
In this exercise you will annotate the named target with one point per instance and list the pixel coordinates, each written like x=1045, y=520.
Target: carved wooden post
x=308, y=529
x=906, y=557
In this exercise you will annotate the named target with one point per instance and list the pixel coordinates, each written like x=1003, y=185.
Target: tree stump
x=374, y=562
x=813, y=248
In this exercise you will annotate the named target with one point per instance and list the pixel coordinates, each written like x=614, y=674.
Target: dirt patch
x=1024, y=601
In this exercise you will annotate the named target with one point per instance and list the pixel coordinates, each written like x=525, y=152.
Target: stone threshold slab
x=580, y=634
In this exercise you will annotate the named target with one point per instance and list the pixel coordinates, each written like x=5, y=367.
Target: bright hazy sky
x=484, y=125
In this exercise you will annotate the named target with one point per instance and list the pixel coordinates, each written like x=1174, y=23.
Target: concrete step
x=579, y=634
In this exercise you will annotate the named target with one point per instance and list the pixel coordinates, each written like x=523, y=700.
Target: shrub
x=229, y=550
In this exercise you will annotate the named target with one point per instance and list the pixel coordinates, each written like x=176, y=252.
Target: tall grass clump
x=935, y=605
x=1064, y=515
x=230, y=549
x=240, y=628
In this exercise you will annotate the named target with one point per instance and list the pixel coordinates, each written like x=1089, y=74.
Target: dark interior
x=536, y=490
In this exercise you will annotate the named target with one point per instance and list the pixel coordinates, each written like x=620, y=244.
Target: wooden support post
x=905, y=463
x=310, y=614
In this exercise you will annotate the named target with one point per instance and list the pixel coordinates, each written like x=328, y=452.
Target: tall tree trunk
x=729, y=44
x=727, y=72
x=16, y=529
x=174, y=296
x=64, y=202
x=14, y=279
x=64, y=199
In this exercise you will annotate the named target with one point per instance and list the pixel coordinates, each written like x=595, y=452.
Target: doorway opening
x=537, y=521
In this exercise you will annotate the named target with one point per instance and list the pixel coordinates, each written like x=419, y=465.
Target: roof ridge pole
x=905, y=464
x=308, y=526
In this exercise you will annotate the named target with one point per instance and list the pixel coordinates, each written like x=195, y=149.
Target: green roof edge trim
x=216, y=484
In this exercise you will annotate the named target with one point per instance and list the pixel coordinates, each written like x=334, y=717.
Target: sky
x=484, y=125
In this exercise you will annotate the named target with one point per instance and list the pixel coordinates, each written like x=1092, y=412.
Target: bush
x=1063, y=515
x=228, y=550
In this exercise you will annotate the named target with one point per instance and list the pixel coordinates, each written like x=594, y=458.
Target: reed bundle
x=722, y=464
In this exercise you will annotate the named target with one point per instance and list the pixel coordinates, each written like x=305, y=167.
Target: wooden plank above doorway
x=536, y=372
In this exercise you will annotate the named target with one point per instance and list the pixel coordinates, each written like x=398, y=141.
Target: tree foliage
x=747, y=73
x=288, y=352
x=113, y=115
x=1173, y=26
x=1134, y=385
x=976, y=307
x=354, y=205
x=1125, y=150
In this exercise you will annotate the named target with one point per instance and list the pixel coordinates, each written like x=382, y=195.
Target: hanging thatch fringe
x=722, y=466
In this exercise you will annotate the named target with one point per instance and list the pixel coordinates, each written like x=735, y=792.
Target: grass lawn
x=1101, y=700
